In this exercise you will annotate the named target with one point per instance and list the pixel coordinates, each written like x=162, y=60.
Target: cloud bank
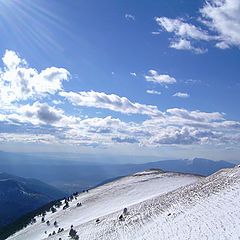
x=109, y=101
x=34, y=111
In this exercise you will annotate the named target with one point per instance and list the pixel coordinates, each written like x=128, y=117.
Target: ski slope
x=160, y=206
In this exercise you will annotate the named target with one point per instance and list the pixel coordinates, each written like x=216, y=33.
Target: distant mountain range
x=20, y=195
x=199, y=166
x=71, y=176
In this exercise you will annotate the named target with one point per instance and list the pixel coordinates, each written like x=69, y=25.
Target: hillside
x=159, y=205
x=20, y=195
x=106, y=200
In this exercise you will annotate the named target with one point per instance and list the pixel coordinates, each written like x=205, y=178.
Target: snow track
x=160, y=206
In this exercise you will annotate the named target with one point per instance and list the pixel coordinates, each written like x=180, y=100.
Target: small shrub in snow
x=53, y=209
x=73, y=234
x=33, y=221
x=66, y=206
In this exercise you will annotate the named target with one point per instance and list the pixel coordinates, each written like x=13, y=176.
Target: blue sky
x=149, y=78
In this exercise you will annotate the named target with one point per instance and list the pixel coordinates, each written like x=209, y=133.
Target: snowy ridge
x=159, y=206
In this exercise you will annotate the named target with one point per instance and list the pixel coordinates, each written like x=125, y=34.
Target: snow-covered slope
x=159, y=206
x=105, y=200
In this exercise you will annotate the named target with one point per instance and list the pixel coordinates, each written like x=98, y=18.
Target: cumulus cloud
x=196, y=115
x=233, y=125
x=222, y=45
x=186, y=136
x=11, y=60
x=57, y=102
x=182, y=29
x=221, y=20
x=158, y=78
x=105, y=125
x=125, y=140
x=173, y=135
x=100, y=130
x=20, y=82
x=153, y=92
x=129, y=16
x=183, y=44
x=184, y=32
x=174, y=127
x=181, y=95
x=109, y=101
x=42, y=112
x=39, y=114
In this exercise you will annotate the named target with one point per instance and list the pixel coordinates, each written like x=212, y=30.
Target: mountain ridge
x=72, y=176
x=20, y=195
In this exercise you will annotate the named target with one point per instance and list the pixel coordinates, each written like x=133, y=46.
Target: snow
x=160, y=206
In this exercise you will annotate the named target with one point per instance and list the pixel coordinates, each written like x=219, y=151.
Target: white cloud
x=129, y=16
x=28, y=138
x=109, y=101
x=182, y=29
x=186, y=136
x=20, y=82
x=41, y=112
x=156, y=33
x=174, y=135
x=196, y=115
x=38, y=114
x=133, y=74
x=181, y=95
x=220, y=18
x=153, y=92
x=230, y=125
x=56, y=102
x=183, y=44
x=11, y=60
x=158, y=78
x=222, y=45
x=125, y=140
x=101, y=123
x=223, y=17
x=50, y=80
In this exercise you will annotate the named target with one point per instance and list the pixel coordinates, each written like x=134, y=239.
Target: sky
x=118, y=77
